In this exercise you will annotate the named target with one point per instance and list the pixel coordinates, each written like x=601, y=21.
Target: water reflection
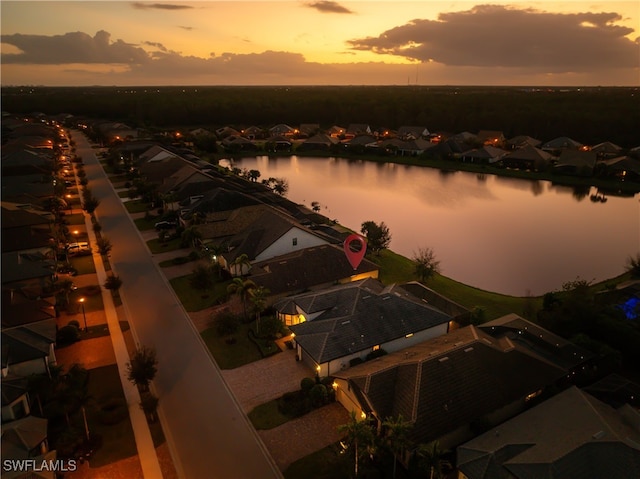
x=501, y=234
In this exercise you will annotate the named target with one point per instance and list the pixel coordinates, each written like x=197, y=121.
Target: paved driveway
x=261, y=381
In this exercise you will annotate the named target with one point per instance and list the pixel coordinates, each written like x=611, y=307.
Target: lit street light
x=84, y=315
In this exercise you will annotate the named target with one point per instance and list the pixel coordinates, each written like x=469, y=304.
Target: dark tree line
x=588, y=115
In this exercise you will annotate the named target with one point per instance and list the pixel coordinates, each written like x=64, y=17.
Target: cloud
x=185, y=28
x=499, y=36
x=75, y=47
x=327, y=6
x=157, y=45
x=159, y=6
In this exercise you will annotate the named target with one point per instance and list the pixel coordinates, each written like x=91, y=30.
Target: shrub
x=376, y=354
x=227, y=323
x=318, y=395
x=180, y=260
x=113, y=283
x=193, y=256
x=75, y=323
x=68, y=334
x=307, y=384
x=294, y=404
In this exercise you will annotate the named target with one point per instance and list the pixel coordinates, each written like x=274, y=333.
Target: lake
x=501, y=234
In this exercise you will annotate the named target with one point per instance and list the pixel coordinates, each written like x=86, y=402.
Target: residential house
x=486, y=155
x=227, y=131
x=31, y=274
x=238, y=143
x=399, y=147
x=15, y=398
x=318, y=142
x=29, y=348
x=200, y=132
x=453, y=385
x=527, y=158
x=557, y=145
x=186, y=175
x=307, y=269
x=26, y=439
x=576, y=162
x=521, y=141
x=260, y=232
x=282, y=130
x=606, y=150
x=336, y=132
x=214, y=200
x=278, y=143
x=356, y=129
x=25, y=231
x=491, y=138
x=115, y=132
x=254, y=133
x=156, y=153
x=413, y=133
x=308, y=129
x=569, y=435
x=342, y=325
x=622, y=167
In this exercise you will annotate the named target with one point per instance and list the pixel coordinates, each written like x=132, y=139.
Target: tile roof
x=357, y=316
x=27, y=342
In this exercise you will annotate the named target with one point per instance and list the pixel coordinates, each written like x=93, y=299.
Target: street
x=205, y=427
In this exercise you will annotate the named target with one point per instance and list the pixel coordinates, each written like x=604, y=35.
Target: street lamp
x=84, y=315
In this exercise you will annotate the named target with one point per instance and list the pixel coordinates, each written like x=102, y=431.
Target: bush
x=227, y=323
x=75, y=323
x=307, y=384
x=68, y=334
x=113, y=283
x=318, y=395
x=376, y=354
x=294, y=404
x=193, y=256
x=180, y=260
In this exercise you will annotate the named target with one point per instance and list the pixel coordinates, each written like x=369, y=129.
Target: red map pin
x=355, y=255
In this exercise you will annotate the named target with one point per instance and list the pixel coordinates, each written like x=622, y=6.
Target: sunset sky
x=302, y=42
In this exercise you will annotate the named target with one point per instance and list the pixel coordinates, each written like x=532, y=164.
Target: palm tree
x=397, y=436
x=259, y=301
x=430, y=456
x=143, y=367
x=63, y=290
x=239, y=264
x=358, y=435
x=242, y=288
x=190, y=236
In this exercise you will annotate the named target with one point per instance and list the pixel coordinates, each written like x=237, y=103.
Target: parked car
x=78, y=249
x=165, y=225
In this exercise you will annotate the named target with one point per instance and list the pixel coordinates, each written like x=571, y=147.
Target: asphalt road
x=207, y=431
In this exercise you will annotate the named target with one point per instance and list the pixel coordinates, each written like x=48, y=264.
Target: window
x=295, y=241
x=376, y=347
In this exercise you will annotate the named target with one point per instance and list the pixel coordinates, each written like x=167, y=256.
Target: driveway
x=261, y=381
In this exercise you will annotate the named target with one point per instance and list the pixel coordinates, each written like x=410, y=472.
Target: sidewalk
x=144, y=442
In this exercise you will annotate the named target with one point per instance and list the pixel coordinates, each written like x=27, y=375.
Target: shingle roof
x=570, y=435
x=357, y=316
x=305, y=269
x=449, y=381
x=28, y=342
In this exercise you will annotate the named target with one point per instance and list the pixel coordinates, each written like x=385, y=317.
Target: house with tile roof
x=491, y=138
x=449, y=386
x=342, y=325
x=576, y=162
x=29, y=348
x=26, y=231
x=413, y=132
x=569, y=435
x=527, y=158
x=521, y=141
x=485, y=155
x=319, y=141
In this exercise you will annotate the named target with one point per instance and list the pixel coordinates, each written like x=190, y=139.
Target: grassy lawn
x=124, y=194
x=267, y=416
x=92, y=302
x=83, y=264
x=155, y=246
x=323, y=464
x=136, y=206
x=146, y=224
x=175, y=261
x=118, y=441
x=230, y=356
x=195, y=300
x=75, y=219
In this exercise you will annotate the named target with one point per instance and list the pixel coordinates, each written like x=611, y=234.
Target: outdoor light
x=84, y=315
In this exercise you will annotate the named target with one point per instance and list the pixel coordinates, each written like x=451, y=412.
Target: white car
x=78, y=249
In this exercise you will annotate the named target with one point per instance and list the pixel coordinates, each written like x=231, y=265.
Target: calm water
x=506, y=235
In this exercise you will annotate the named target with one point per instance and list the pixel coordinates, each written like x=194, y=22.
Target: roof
x=414, y=132
x=576, y=159
x=449, y=381
x=28, y=342
x=529, y=153
x=157, y=171
x=13, y=388
x=570, y=435
x=522, y=141
x=20, y=437
x=183, y=174
x=623, y=163
x=357, y=316
x=18, y=267
x=26, y=312
x=561, y=142
x=305, y=269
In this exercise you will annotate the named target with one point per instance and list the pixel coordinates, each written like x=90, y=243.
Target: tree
x=201, y=277
x=226, y=323
x=143, y=367
x=254, y=175
x=104, y=245
x=315, y=206
x=239, y=264
x=242, y=289
x=63, y=290
x=113, y=282
x=191, y=236
x=430, y=459
x=397, y=437
x=426, y=263
x=258, y=298
x=358, y=436
x=378, y=235
x=149, y=404
x=633, y=265
x=90, y=203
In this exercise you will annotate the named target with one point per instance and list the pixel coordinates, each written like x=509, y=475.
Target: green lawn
x=195, y=300
x=136, y=206
x=267, y=416
x=83, y=264
x=124, y=194
x=146, y=224
x=326, y=463
x=155, y=246
x=75, y=219
x=175, y=261
x=230, y=356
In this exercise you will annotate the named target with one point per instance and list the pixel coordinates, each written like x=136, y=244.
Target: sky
x=320, y=42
